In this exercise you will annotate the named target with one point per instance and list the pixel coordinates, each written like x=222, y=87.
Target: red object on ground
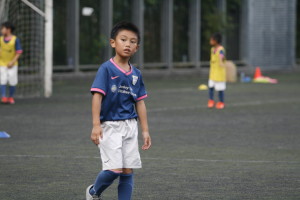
x=210, y=103
x=220, y=105
x=11, y=100
x=4, y=100
x=257, y=73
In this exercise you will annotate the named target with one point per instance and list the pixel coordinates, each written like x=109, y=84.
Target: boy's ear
x=112, y=43
x=137, y=48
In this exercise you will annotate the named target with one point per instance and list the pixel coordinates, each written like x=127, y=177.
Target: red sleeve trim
x=142, y=97
x=97, y=90
x=19, y=51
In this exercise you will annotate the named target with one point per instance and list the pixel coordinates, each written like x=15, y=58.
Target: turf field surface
x=250, y=150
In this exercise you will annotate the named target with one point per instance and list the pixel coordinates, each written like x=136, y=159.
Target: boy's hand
x=96, y=134
x=10, y=64
x=147, y=141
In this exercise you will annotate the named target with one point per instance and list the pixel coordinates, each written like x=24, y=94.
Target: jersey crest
x=113, y=88
x=134, y=79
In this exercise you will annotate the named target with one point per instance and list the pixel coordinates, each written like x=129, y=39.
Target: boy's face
x=212, y=42
x=125, y=44
x=4, y=31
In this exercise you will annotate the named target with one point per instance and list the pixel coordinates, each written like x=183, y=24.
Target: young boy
x=10, y=51
x=217, y=73
x=118, y=92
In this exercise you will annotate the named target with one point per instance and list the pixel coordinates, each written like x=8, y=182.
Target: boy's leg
x=111, y=155
x=131, y=159
x=130, y=148
x=126, y=184
x=104, y=179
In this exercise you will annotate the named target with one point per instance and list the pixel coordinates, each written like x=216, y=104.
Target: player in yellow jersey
x=10, y=51
x=217, y=72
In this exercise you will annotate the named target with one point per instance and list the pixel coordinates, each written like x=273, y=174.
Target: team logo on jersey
x=114, y=88
x=134, y=79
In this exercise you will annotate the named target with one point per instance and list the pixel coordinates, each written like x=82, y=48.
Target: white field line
x=157, y=159
x=241, y=104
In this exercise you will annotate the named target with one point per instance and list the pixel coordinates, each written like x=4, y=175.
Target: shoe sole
x=87, y=193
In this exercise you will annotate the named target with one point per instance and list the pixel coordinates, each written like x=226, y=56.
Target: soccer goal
x=33, y=20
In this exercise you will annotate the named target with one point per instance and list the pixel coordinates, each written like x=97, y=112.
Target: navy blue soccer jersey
x=121, y=91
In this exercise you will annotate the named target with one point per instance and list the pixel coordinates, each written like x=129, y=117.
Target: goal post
x=34, y=26
x=48, y=48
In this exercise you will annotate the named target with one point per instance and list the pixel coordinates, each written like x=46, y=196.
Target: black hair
x=8, y=25
x=217, y=37
x=123, y=25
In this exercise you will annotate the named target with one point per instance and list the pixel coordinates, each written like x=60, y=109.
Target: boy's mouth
x=127, y=50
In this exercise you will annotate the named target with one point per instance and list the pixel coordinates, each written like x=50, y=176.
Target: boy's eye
x=123, y=40
x=133, y=42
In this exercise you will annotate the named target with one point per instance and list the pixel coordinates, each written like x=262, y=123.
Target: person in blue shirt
x=117, y=103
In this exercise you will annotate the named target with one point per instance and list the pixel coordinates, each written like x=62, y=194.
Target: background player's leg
x=3, y=79
x=3, y=90
x=211, y=102
x=12, y=90
x=211, y=90
x=220, y=87
x=126, y=184
x=221, y=96
x=104, y=180
x=211, y=86
x=12, y=80
x=211, y=93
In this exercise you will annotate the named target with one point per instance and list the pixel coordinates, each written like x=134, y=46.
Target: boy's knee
x=116, y=170
x=127, y=171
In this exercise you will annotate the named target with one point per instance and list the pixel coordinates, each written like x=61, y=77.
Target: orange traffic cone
x=257, y=73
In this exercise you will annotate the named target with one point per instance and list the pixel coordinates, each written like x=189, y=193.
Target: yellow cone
x=202, y=87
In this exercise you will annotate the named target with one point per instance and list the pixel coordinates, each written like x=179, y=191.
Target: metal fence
x=264, y=33
x=268, y=33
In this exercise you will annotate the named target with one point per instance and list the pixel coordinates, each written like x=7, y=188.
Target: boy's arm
x=222, y=63
x=14, y=60
x=18, y=53
x=222, y=59
x=142, y=113
x=96, y=109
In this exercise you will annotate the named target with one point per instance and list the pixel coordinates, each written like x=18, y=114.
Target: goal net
x=28, y=18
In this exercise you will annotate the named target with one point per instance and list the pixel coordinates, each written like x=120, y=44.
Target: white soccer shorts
x=218, y=85
x=119, y=145
x=9, y=75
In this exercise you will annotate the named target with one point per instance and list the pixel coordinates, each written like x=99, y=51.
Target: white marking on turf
x=159, y=159
x=233, y=161
x=251, y=103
